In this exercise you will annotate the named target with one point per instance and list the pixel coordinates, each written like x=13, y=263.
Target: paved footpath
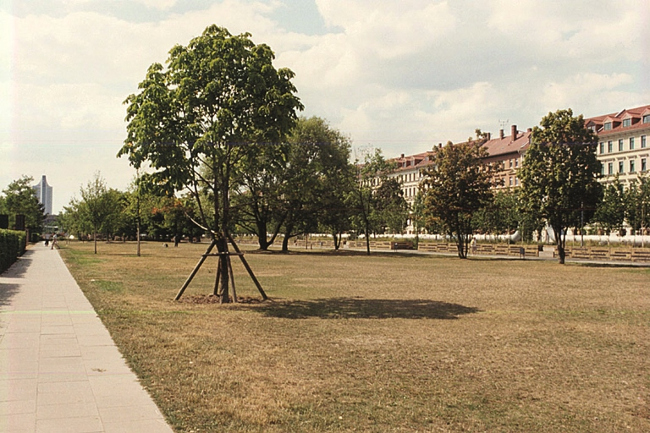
x=59, y=368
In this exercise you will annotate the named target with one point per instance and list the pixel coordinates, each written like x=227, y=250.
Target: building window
x=646, y=118
x=631, y=143
x=516, y=181
x=608, y=125
x=620, y=145
x=602, y=170
x=602, y=147
x=643, y=141
x=631, y=166
x=644, y=166
x=516, y=165
x=609, y=147
x=510, y=163
x=610, y=168
x=627, y=122
x=510, y=181
x=621, y=167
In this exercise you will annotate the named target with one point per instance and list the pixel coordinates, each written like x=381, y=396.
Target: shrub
x=12, y=245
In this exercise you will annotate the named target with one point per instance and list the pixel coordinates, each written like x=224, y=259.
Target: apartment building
x=622, y=143
x=409, y=172
x=506, y=152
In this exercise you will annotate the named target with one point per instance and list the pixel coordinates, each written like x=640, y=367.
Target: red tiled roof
x=508, y=144
x=636, y=114
x=409, y=162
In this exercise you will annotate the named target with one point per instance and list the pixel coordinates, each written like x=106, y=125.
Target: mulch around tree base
x=213, y=299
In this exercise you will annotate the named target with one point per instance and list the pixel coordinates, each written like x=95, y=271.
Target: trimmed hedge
x=12, y=245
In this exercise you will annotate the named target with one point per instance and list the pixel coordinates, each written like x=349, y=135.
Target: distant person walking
x=54, y=241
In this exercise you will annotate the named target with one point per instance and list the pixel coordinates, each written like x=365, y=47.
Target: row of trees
x=305, y=185
x=559, y=188
x=110, y=213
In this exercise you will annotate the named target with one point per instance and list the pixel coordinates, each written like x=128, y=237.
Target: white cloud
x=577, y=91
x=158, y=4
x=576, y=29
x=389, y=29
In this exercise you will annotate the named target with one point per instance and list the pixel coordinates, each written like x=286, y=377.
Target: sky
x=398, y=75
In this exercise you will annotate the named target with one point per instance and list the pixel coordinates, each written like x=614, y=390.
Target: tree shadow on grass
x=360, y=308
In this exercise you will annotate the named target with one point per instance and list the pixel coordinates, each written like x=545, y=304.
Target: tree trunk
x=367, y=243
x=222, y=241
x=557, y=231
x=95, y=240
x=337, y=241
x=560, y=252
x=461, y=243
x=223, y=271
x=287, y=236
x=261, y=236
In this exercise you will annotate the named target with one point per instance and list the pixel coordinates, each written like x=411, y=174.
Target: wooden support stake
x=232, y=279
x=248, y=268
x=216, y=290
x=196, y=269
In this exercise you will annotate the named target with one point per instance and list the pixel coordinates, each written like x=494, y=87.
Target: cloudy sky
x=400, y=75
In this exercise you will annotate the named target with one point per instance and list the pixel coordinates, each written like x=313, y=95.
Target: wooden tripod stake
x=232, y=277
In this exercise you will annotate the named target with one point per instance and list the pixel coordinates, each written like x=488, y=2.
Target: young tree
x=637, y=205
x=501, y=214
x=456, y=186
x=219, y=100
x=559, y=175
x=257, y=205
x=98, y=208
x=318, y=177
x=391, y=207
x=362, y=201
x=610, y=212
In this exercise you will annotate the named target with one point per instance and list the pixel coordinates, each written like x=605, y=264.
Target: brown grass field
x=386, y=343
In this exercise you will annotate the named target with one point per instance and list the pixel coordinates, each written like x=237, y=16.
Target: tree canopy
x=100, y=210
x=455, y=187
x=559, y=174
x=19, y=198
x=364, y=202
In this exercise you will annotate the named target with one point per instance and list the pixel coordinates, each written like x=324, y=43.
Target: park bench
x=401, y=245
x=640, y=256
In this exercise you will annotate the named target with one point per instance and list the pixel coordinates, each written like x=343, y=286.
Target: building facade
x=622, y=143
x=44, y=195
x=623, y=150
x=409, y=173
x=506, y=152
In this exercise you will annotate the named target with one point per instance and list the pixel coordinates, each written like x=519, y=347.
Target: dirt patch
x=212, y=299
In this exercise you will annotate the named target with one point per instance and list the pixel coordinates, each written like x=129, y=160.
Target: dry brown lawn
x=381, y=343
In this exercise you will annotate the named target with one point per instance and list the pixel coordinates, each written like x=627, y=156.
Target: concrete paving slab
x=59, y=368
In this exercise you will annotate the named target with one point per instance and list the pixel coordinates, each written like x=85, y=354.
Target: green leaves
x=218, y=100
x=20, y=199
x=559, y=175
x=456, y=186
